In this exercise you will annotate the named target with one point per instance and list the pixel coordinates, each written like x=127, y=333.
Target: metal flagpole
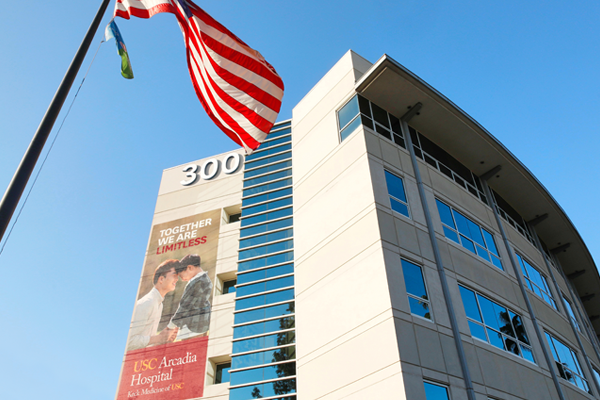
x=19, y=181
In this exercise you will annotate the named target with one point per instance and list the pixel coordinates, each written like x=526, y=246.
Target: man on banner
x=194, y=308
x=238, y=88
x=148, y=310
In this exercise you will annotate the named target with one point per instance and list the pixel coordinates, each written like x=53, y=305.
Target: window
x=395, y=187
x=361, y=111
x=415, y=287
x=571, y=313
x=497, y=325
x=567, y=363
x=222, y=374
x=536, y=282
x=435, y=392
x=470, y=235
x=234, y=217
x=229, y=286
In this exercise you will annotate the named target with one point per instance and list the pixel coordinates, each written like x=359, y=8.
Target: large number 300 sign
x=211, y=168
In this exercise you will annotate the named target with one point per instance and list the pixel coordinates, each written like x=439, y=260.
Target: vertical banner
x=166, y=349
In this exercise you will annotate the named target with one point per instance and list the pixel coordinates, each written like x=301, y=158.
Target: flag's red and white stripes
x=237, y=87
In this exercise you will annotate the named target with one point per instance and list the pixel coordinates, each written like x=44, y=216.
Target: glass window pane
x=527, y=354
x=399, y=207
x=413, y=279
x=263, y=313
x=450, y=234
x=380, y=115
x=462, y=223
x=467, y=244
x=496, y=261
x=270, y=168
x=263, y=327
x=477, y=331
x=349, y=111
x=267, y=196
x=268, y=206
x=435, y=392
x=267, y=186
x=512, y=346
x=395, y=186
x=519, y=328
x=268, y=160
x=350, y=128
x=496, y=339
x=445, y=214
x=470, y=304
x=482, y=253
x=267, y=152
x=489, y=241
x=364, y=106
x=266, y=178
x=271, y=237
x=489, y=312
x=419, y=307
x=475, y=233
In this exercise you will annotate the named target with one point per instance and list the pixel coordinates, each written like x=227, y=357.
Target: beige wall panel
x=391, y=155
x=572, y=393
x=357, y=360
x=228, y=244
x=448, y=191
x=216, y=392
x=533, y=383
x=473, y=362
x=373, y=144
x=336, y=250
x=406, y=163
x=222, y=193
x=434, y=288
x=425, y=245
x=414, y=201
x=340, y=303
x=550, y=318
x=413, y=382
x=221, y=321
x=387, y=228
x=407, y=236
x=347, y=167
x=445, y=253
x=380, y=191
x=430, y=349
x=407, y=342
x=386, y=384
x=450, y=356
x=499, y=372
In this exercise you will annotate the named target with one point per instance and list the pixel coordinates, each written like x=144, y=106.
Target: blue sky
x=527, y=71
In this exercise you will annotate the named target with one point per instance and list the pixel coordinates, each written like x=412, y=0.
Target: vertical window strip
x=398, y=200
x=416, y=289
x=571, y=313
x=263, y=319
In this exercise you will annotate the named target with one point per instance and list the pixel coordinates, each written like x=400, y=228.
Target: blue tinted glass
x=267, y=152
x=266, y=196
x=467, y=244
x=435, y=392
x=267, y=178
x=445, y=214
x=265, y=390
x=450, y=234
x=350, y=128
x=270, y=237
x=395, y=186
x=264, y=313
x=266, y=145
x=496, y=262
x=482, y=253
x=475, y=232
x=399, y=207
x=264, y=373
x=265, y=286
x=489, y=241
x=489, y=312
x=477, y=331
x=470, y=303
x=349, y=111
x=519, y=328
x=462, y=223
x=282, y=132
x=268, y=186
x=413, y=279
x=270, y=168
x=265, y=273
x=262, y=250
x=268, y=160
x=263, y=327
x=264, y=357
x=271, y=215
x=277, y=339
x=496, y=339
x=270, y=226
x=266, y=261
x=264, y=299
x=267, y=206
x=419, y=307
x=527, y=354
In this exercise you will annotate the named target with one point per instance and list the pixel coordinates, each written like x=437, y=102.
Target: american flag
x=238, y=88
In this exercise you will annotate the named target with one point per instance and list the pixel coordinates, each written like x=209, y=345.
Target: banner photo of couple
x=167, y=344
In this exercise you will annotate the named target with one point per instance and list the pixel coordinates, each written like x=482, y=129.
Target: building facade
x=380, y=245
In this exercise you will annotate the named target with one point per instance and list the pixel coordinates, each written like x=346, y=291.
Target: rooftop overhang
x=394, y=88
